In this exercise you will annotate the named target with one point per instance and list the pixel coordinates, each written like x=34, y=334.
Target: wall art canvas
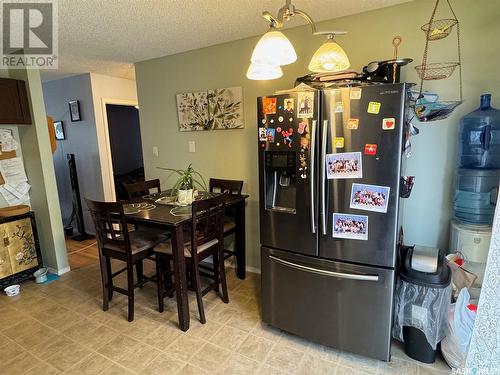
x=192, y=109
x=210, y=110
x=225, y=108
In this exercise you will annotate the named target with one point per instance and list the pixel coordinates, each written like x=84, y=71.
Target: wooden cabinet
x=14, y=106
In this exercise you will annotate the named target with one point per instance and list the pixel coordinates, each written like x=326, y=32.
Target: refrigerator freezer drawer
x=348, y=307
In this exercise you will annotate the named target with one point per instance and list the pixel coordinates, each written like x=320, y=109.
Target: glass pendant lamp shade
x=330, y=57
x=259, y=71
x=274, y=49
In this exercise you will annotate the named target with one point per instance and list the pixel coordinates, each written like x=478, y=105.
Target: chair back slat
x=139, y=189
x=207, y=221
x=232, y=187
x=110, y=225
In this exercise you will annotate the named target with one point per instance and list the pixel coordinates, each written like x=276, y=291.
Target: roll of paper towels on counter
x=424, y=259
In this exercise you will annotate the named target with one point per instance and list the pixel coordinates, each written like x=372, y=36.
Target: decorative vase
x=185, y=197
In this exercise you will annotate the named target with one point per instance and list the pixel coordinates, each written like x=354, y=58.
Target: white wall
x=114, y=90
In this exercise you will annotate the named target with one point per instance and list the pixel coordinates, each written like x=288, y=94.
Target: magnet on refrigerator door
x=374, y=108
x=344, y=165
x=280, y=119
x=355, y=93
x=351, y=227
x=338, y=142
x=289, y=106
x=269, y=106
x=339, y=107
x=352, y=124
x=287, y=137
x=389, y=123
x=270, y=134
x=370, y=197
x=306, y=104
x=262, y=134
x=371, y=149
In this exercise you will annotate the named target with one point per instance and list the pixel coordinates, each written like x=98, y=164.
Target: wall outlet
x=155, y=151
x=192, y=146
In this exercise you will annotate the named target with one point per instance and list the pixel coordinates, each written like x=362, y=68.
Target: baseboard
x=60, y=272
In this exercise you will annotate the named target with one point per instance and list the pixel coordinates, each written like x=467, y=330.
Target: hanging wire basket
x=439, y=29
x=433, y=111
x=436, y=71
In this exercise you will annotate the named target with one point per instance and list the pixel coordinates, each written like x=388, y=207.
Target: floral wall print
x=211, y=110
x=192, y=109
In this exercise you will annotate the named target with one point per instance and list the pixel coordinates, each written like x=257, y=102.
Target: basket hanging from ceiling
x=437, y=29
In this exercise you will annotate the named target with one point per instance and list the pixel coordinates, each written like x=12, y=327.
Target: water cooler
x=476, y=187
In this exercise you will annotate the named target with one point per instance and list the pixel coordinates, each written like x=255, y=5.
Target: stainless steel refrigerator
x=330, y=164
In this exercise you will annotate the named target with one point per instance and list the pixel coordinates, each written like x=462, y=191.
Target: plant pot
x=185, y=196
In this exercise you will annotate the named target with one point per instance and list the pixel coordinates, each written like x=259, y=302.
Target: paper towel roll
x=425, y=259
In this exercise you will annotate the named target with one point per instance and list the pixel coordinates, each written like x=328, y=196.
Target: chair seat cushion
x=165, y=247
x=229, y=224
x=140, y=240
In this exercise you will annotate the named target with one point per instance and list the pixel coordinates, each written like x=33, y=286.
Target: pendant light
x=274, y=49
x=260, y=71
x=330, y=57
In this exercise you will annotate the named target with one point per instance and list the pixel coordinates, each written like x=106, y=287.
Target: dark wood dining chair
x=232, y=187
x=140, y=189
x=116, y=242
x=206, y=239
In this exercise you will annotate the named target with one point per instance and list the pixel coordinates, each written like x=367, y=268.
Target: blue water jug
x=480, y=137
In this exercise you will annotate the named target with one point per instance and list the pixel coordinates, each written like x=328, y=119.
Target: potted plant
x=186, y=183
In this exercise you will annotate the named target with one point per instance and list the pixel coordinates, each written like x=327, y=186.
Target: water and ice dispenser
x=280, y=181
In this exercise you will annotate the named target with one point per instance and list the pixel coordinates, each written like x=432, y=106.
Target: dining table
x=175, y=219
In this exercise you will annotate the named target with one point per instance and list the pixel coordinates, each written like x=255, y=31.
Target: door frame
x=108, y=182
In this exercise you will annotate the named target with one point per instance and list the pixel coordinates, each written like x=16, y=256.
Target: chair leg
x=199, y=297
x=217, y=260
x=139, y=267
x=130, y=277
x=159, y=283
x=109, y=283
x=168, y=279
x=222, y=270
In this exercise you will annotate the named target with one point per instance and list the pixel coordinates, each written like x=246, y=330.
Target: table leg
x=239, y=238
x=180, y=277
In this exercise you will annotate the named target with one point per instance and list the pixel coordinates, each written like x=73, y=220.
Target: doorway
x=125, y=146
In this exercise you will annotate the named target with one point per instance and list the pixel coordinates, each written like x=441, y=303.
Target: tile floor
x=60, y=328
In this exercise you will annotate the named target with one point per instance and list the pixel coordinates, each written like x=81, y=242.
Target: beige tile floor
x=60, y=328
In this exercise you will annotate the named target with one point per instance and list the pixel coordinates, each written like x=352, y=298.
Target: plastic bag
x=421, y=307
x=459, y=331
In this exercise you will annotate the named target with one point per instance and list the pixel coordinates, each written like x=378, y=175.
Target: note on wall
x=15, y=189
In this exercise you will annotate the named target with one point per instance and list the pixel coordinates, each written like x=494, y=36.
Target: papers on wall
x=7, y=141
x=16, y=187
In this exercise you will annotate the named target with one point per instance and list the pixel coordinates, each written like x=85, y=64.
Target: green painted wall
x=233, y=154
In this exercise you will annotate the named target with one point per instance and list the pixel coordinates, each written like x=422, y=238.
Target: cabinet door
x=14, y=108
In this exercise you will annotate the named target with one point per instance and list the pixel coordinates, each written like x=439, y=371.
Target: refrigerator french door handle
x=324, y=137
x=312, y=175
x=340, y=275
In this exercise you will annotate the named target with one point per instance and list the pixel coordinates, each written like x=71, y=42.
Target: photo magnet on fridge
x=374, y=108
x=355, y=93
x=370, y=197
x=270, y=132
x=269, y=106
x=262, y=134
x=289, y=106
x=351, y=227
x=344, y=165
x=339, y=107
x=306, y=104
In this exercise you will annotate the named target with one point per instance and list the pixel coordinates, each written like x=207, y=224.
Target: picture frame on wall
x=59, y=130
x=74, y=110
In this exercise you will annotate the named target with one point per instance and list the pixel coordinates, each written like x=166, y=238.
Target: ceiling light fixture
x=274, y=49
